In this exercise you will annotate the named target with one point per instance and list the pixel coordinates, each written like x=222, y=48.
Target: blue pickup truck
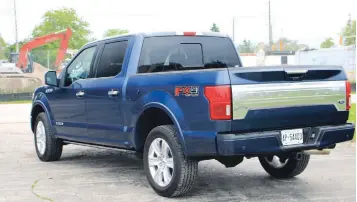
x=177, y=98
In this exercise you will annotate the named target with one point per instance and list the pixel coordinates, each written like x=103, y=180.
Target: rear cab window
x=180, y=53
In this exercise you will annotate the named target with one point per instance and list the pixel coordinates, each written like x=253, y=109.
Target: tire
x=184, y=169
x=52, y=150
x=292, y=167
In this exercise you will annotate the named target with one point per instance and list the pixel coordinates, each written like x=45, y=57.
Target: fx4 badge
x=187, y=91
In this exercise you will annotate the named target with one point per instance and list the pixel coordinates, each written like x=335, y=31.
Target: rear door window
x=180, y=53
x=112, y=58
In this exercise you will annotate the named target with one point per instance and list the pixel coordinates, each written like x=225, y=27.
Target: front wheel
x=48, y=148
x=284, y=167
x=168, y=171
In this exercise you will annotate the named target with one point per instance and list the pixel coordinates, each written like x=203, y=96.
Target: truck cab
x=178, y=98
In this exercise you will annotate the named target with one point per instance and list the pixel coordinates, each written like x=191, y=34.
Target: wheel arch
x=38, y=107
x=164, y=116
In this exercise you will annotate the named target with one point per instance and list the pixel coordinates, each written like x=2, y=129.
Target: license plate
x=292, y=137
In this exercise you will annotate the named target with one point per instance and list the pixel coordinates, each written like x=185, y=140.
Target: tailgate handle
x=297, y=74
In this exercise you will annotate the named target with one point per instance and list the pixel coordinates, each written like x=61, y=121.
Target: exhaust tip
x=298, y=156
x=317, y=152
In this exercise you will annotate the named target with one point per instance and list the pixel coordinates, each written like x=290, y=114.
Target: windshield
x=178, y=53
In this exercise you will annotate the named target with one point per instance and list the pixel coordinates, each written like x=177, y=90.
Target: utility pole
x=48, y=60
x=270, y=29
x=16, y=36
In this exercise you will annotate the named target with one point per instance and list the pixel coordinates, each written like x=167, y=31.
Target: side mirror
x=51, y=78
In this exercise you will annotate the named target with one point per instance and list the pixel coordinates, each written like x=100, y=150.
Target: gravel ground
x=89, y=174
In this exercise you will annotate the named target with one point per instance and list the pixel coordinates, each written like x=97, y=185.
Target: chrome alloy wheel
x=40, y=137
x=276, y=162
x=161, y=163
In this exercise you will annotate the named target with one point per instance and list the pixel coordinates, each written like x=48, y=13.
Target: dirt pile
x=27, y=82
x=38, y=71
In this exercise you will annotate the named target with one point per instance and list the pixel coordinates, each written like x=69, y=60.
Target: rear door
x=104, y=96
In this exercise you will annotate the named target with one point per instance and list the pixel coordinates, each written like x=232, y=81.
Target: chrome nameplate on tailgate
x=280, y=95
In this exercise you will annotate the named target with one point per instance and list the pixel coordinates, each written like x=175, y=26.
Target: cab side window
x=80, y=67
x=112, y=58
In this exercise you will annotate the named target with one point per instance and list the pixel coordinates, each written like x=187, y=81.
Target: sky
x=308, y=21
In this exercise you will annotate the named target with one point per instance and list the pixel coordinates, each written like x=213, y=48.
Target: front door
x=68, y=101
x=104, y=97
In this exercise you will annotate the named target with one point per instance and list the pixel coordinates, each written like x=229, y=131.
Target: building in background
x=341, y=56
x=262, y=58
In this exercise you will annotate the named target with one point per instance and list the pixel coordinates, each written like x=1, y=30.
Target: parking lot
x=90, y=174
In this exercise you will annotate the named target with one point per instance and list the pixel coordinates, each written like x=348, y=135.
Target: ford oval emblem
x=341, y=102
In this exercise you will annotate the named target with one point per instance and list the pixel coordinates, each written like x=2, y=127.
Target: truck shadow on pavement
x=214, y=181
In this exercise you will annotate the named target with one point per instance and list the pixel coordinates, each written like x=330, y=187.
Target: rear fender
x=165, y=102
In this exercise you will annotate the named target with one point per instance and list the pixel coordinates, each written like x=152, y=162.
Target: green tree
x=57, y=20
x=11, y=48
x=349, y=32
x=92, y=39
x=114, y=32
x=288, y=44
x=328, y=43
x=246, y=47
x=214, y=28
x=3, y=46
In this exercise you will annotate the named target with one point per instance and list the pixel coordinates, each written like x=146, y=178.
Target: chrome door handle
x=113, y=93
x=80, y=94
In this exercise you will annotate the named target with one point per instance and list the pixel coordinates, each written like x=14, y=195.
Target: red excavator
x=24, y=60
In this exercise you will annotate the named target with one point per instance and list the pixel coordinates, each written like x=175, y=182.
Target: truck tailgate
x=270, y=98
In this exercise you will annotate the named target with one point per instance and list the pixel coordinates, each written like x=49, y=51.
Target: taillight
x=348, y=95
x=219, y=98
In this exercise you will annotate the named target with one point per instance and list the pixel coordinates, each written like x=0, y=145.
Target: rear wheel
x=284, y=167
x=48, y=148
x=168, y=171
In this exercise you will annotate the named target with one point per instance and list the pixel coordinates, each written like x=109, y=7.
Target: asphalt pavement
x=89, y=174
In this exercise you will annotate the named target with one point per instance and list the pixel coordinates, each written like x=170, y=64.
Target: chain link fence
x=15, y=97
